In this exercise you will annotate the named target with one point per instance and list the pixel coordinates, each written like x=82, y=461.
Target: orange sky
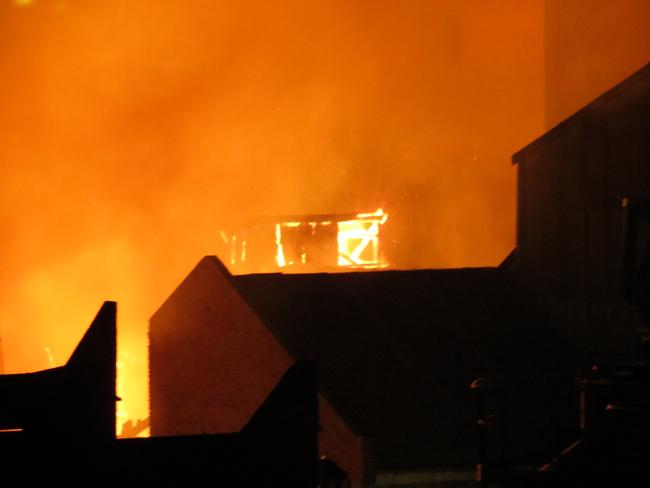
x=131, y=132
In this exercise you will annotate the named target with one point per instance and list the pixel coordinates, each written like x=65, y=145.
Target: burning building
x=303, y=243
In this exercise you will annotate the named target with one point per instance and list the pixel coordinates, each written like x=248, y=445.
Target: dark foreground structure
x=59, y=428
x=576, y=187
x=398, y=350
x=557, y=336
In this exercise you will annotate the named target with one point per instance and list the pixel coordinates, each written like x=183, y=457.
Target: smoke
x=132, y=132
x=589, y=50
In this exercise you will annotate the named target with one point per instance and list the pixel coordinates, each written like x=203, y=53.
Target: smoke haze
x=132, y=132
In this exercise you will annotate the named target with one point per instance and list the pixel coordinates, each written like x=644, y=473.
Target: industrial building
x=575, y=184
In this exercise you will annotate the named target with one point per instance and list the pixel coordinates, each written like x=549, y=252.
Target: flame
x=127, y=387
x=358, y=241
x=280, y=249
x=121, y=414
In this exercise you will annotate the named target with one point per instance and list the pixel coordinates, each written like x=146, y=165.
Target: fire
x=309, y=243
x=358, y=241
x=121, y=414
x=127, y=422
x=279, y=254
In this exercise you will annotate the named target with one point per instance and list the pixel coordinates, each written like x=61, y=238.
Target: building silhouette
x=398, y=349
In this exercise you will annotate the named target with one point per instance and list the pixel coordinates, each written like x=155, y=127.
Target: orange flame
x=358, y=241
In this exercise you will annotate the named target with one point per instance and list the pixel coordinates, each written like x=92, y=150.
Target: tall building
x=575, y=184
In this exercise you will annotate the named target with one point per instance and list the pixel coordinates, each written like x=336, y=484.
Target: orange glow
x=358, y=241
x=280, y=248
x=50, y=358
x=133, y=133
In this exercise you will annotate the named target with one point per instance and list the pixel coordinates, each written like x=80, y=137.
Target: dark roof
x=629, y=97
x=397, y=349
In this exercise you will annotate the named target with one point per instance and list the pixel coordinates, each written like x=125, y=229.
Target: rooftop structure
x=304, y=243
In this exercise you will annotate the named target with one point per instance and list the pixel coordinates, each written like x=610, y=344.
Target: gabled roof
x=631, y=97
x=397, y=349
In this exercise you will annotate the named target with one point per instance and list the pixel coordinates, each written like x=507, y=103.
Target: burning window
x=309, y=243
x=358, y=241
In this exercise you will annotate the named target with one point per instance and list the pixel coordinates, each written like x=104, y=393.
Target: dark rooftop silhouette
x=396, y=349
x=59, y=427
